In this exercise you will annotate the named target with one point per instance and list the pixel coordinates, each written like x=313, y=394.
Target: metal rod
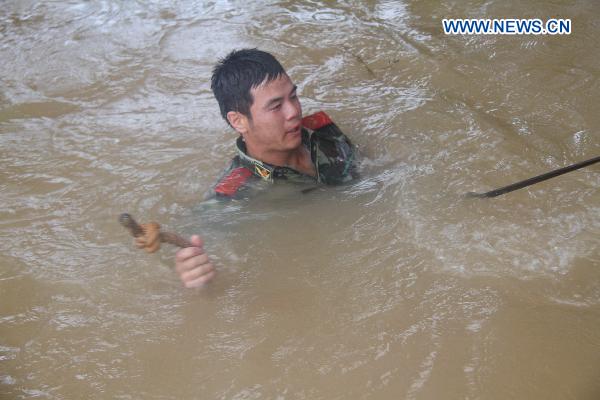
x=535, y=179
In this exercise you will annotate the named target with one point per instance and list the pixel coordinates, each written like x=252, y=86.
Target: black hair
x=237, y=73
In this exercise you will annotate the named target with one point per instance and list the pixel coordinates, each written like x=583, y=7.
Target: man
x=258, y=99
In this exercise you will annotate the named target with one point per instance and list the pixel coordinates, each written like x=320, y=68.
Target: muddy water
x=393, y=287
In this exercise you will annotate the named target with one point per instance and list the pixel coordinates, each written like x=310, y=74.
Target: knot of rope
x=150, y=240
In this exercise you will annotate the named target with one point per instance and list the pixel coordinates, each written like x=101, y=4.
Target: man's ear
x=238, y=121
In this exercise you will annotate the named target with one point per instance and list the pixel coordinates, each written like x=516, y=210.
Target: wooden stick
x=136, y=230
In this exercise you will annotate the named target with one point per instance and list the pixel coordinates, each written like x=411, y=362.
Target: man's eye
x=276, y=106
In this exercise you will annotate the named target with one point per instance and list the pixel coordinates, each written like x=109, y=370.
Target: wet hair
x=235, y=75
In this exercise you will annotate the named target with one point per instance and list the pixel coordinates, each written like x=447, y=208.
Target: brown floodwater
x=393, y=287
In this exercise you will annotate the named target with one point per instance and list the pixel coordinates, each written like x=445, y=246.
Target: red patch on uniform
x=232, y=182
x=316, y=120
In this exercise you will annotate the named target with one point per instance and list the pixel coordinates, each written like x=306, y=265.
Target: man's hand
x=192, y=264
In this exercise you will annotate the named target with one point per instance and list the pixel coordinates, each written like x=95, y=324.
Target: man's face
x=276, y=113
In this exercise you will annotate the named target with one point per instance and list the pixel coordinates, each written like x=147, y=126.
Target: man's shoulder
x=331, y=150
x=316, y=121
x=323, y=127
x=233, y=180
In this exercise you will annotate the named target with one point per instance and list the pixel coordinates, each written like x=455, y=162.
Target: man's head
x=258, y=99
x=236, y=74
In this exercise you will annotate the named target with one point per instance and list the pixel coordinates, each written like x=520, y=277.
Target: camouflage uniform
x=332, y=154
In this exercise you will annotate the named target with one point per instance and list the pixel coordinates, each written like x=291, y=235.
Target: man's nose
x=293, y=110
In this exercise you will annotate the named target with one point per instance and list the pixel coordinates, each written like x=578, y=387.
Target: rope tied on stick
x=148, y=236
x=149, y=241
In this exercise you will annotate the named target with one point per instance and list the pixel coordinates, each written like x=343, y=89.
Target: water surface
x=395, y=286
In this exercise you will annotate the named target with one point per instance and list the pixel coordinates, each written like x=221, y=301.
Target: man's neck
x=298, y=159
x=278, y=158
